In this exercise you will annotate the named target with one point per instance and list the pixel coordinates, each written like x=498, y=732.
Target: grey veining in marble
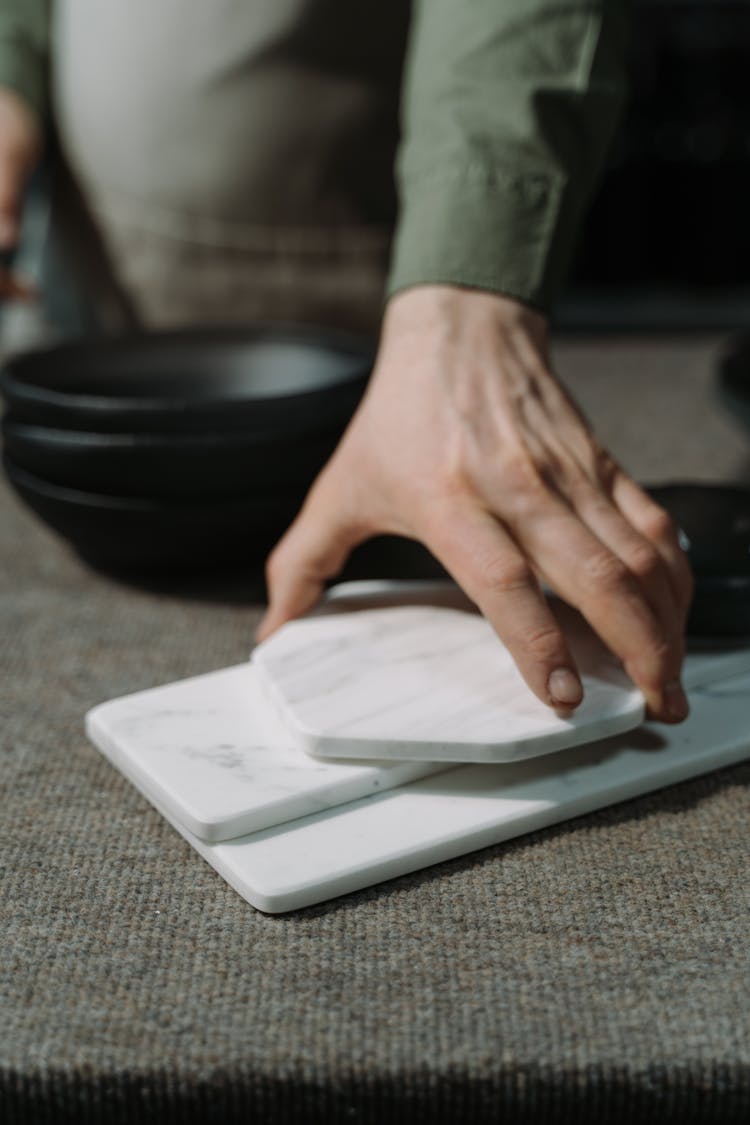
x=213, y=753
x=438, y=818
x=430, y=683
x=211, y=747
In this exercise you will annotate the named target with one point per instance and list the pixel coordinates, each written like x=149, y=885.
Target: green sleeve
x=24, y=40
x=508, y=107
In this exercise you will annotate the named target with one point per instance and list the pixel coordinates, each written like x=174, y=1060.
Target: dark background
x=667, y=242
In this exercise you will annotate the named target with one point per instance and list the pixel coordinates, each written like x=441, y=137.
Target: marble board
x=430, y=683
x=211, y=756
x=438, y=818
x=215, y=756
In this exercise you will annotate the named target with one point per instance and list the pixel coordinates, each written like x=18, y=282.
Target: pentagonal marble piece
x=427, y=683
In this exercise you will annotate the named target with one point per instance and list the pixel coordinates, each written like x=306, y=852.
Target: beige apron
x=234, y=157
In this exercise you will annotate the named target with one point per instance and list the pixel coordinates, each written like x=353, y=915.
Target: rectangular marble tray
x=344, y=849
x=213, y=754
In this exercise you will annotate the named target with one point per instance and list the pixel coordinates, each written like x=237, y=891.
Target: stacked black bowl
x=178, y=451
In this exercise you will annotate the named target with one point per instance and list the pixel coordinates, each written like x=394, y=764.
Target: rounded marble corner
x=306, y=738
x=92, y=719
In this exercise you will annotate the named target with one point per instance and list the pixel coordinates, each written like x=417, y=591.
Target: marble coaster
x=215, y=757
x=431, y=683
x=438, y=818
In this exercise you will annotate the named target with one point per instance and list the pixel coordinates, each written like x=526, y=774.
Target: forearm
x=508, y=109
x=24, y=47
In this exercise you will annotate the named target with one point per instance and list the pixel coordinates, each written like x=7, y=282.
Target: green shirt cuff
x=511, y=233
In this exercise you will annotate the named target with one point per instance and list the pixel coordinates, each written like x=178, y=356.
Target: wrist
x=441, y=310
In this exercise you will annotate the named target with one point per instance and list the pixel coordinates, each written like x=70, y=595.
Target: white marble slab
x=436, y=819
x=431, y=683
x=209, y=752
x=214, y=755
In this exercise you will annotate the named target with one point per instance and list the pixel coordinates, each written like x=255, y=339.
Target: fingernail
x=565, y=687
x=676, y=701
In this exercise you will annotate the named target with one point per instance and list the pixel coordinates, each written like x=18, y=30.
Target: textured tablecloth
x=598, y=971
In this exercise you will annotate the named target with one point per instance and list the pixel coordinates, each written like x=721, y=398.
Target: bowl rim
x=16, y=383
x=57, y=438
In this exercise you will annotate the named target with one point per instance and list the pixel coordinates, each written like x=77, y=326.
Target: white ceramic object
x=216, y=758
x=356, y=845
x=211, y=755
x=430, y=683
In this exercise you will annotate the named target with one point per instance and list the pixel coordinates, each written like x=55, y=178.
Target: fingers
x=640, y=554
x=640, y=533
x=314, y=549
x=631, y=595
x=657, y=526
x=484, y=560
x=598, y=582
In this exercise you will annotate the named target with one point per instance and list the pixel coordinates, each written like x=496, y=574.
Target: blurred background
x=667, y=242
x=658, y=297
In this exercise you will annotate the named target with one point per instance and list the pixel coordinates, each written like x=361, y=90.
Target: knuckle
x=605, y=571
x=659, y=526
x=504, y=576
x=653, y=664
x=526, y=484
x=645, y=562
x=525, y=474
x=543, y=644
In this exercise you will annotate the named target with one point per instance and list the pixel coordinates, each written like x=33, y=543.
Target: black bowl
x=715, y=524
x=169, y=466
x=151, y=536
x=259, y=380
x=721, y=607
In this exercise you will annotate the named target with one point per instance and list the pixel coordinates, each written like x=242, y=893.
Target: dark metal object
x=715, y=524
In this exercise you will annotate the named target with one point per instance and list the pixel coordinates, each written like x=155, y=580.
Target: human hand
x=466, y=441
x=20, y=143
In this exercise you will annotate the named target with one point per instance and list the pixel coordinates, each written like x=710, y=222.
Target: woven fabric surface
x=598, y=971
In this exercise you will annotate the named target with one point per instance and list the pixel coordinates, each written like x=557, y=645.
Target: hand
x=20, y=143
x=466, y=441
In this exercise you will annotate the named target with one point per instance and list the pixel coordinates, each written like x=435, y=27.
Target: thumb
x=314, y=549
